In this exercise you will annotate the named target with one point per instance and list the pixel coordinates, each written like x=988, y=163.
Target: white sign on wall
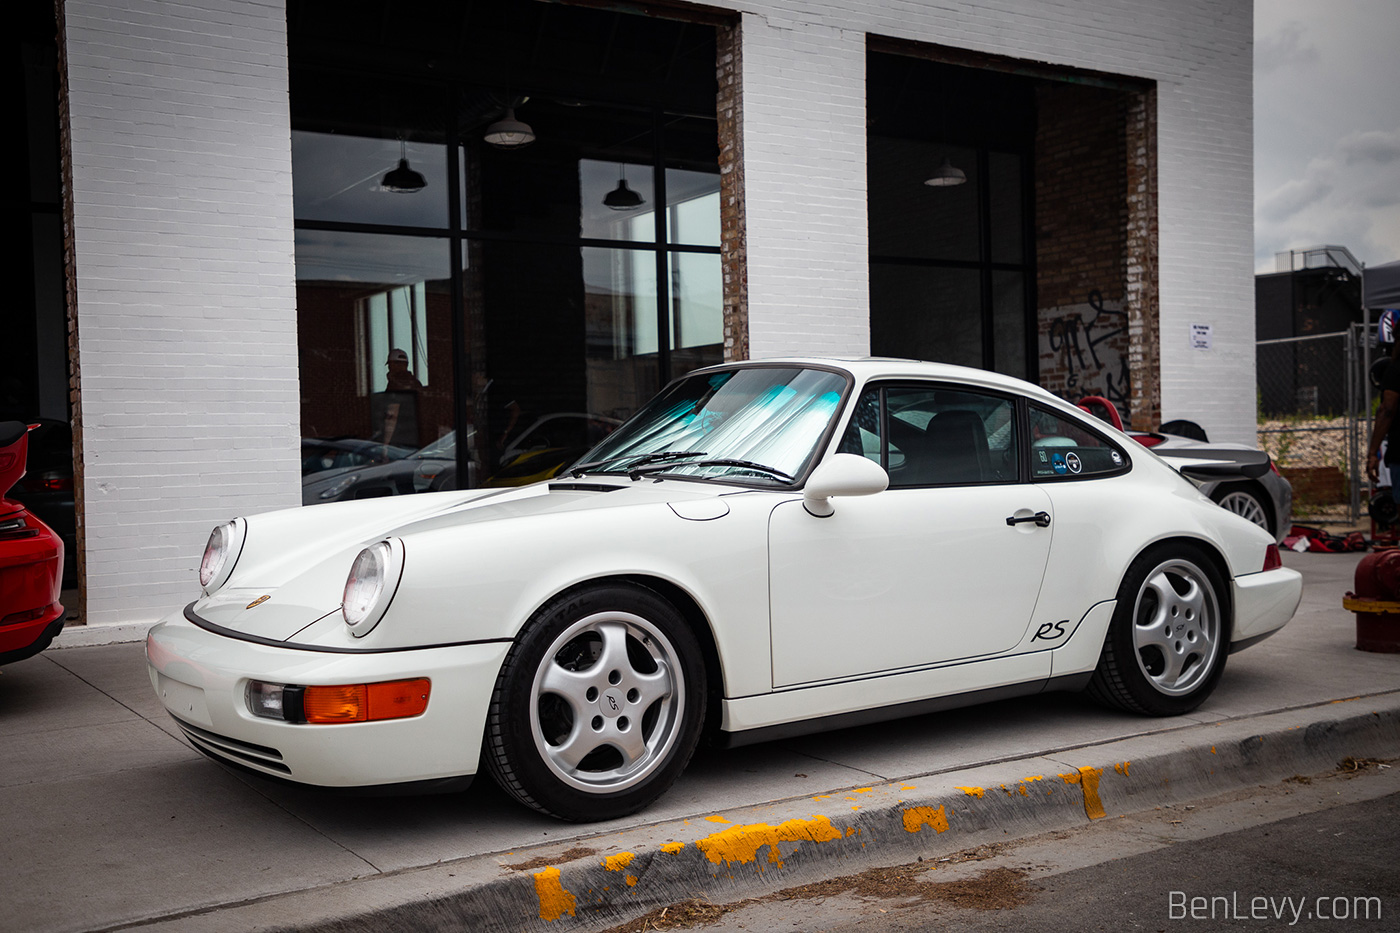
x=1200, y=336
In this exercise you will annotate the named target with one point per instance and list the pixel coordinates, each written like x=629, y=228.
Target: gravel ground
x=1312, y=443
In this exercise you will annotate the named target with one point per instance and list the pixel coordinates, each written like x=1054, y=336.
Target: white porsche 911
x=766, y=549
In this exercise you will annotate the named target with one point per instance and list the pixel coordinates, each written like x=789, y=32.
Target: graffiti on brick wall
x=1084, y=351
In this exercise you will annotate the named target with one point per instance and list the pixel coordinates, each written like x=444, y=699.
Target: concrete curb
x=89, y=636
x=761, y=849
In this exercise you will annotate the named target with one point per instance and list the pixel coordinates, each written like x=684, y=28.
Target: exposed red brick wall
x=70, y=282
x=1081, y=231
x=733, y=247
x=1140, y=289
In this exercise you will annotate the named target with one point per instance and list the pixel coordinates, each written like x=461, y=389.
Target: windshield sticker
x=1117, y=458
x=1042, y=455
x=1072, y=461
x=1058, y=462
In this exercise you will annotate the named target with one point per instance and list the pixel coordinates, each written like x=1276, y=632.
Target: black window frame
x=1085, y=425
x=1020, y=428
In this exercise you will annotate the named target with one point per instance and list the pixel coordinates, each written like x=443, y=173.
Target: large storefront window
x=949, y=262
x=477, y=313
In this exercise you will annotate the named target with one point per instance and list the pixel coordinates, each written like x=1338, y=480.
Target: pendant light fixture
x=623, y=198
x=946, y=175
x=403, y=180
x=509, y=133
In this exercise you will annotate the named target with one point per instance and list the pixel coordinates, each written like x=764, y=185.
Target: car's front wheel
x=598, y=706
x=1169, y=637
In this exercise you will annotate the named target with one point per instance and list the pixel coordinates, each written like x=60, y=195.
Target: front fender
x=483, y=582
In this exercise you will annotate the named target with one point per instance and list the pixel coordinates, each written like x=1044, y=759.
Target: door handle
x=1041, y=519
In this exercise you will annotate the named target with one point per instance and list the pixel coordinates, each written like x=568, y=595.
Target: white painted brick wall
x=186, y=295
x=804, y=146
x=804, y=171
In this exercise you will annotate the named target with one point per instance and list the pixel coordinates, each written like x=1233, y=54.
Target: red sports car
x=31, y=561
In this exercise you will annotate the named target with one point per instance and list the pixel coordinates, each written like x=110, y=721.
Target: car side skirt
x=788, y=730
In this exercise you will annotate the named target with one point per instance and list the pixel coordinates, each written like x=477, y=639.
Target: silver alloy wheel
x=1176, y=627
x=1245, y=505
x=607, y=702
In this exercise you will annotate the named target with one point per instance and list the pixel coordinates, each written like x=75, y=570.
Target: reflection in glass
x=693, y=202
x=1005, y=207
x=912, y=220
x=374, y=335
x=597, y=180
x=1009, y=322
x=926, y=313
x=620, y=309
x=697, y=310
x=338, y=177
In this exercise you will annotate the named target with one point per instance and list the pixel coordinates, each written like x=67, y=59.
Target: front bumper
x=201, y=678
x=1264, y=602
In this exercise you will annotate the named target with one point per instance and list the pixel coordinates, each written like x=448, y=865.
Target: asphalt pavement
x=110, y=820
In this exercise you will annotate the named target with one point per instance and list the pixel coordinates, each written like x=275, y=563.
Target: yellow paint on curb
x=1088, y=781
x=554, y=900
x=916, y=818
x=740, y=844
x=715, y=819
x=1122, y=767
x=619, y=862
x=972, y=791
x=671, y=848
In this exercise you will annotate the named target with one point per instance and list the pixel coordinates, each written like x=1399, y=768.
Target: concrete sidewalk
x=109, y=820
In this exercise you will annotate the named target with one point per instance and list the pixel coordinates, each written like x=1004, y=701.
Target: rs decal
x=1049, y=631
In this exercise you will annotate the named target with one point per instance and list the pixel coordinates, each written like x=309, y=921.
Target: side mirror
x=842, y=475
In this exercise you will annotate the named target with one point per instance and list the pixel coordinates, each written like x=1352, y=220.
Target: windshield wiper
x=721, y=461
x=641, y=459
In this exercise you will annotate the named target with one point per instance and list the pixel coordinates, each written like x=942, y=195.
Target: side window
x=935, y=437
x=1060, y=448
x=862, y=436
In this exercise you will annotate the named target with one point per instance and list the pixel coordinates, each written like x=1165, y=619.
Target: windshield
x=746, y=425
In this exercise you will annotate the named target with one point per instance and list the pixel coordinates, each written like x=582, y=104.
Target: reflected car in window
x=319, y=454
x=765, y=549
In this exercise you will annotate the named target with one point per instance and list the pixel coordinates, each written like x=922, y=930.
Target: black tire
x=1183, y=428
x=598, y=706
x=1169, y=637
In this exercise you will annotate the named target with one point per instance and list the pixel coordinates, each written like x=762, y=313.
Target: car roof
x=865, y=369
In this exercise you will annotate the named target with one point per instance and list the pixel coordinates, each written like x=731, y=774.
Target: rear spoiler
x=1203, y=463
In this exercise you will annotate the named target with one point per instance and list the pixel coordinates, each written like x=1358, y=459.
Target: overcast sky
x=1327, y=127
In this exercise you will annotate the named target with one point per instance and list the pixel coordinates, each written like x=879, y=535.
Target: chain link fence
x=1314, y=421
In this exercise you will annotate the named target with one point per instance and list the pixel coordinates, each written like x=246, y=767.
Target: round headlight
x=369, y=588
x=215, y=553
x=220, y=554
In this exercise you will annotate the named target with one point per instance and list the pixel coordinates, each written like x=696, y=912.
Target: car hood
x=293, y=566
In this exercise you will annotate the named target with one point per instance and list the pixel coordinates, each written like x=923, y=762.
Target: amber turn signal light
x=394, y=699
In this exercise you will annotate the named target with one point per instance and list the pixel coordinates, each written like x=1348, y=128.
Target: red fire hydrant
x=1376, y=601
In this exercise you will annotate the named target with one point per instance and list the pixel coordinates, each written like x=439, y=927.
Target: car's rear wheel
x=598, y=705
x=1169, y=637
x=1244, y=503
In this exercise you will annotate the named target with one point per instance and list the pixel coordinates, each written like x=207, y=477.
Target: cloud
x=1373, y=146
x=1293, y=197
x=1347, y=196
x=1285, y=49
